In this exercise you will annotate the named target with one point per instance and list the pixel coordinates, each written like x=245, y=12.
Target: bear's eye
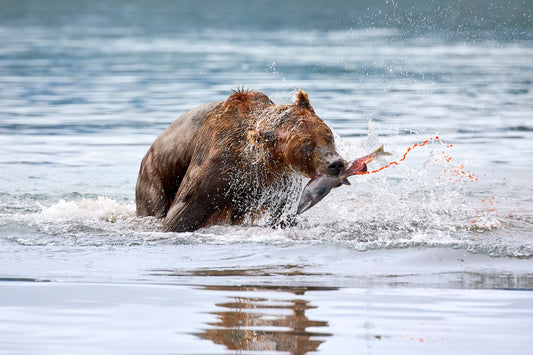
x=308, y=147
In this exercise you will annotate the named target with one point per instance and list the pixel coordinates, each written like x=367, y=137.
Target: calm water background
x=418, y=258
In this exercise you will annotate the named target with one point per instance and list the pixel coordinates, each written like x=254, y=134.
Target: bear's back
x=171, y=153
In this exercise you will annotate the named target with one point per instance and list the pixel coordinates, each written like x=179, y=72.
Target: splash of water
x=452, y=173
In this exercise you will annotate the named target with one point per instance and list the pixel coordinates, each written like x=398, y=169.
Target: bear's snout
x=336, y=167
x=330, y=162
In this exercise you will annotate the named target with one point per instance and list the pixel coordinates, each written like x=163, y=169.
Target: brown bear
x=235, y=161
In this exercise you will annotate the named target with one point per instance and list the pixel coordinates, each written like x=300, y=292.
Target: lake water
x=433, y=255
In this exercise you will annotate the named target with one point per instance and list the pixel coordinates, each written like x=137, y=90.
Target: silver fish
x=321, y=184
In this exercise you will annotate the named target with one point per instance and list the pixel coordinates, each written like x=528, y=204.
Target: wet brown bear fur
x=232, y=161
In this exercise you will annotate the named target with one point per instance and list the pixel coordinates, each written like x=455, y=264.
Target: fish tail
x=359, y=166
x=380, y=152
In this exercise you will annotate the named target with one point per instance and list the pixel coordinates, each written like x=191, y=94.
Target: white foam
x=101, y=209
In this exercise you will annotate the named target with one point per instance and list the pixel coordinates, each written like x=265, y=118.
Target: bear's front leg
x=200, y=201
x=185, y=217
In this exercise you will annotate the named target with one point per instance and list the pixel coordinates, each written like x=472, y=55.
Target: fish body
x=321, y=184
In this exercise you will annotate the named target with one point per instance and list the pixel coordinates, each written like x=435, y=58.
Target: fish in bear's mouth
x=321, y=184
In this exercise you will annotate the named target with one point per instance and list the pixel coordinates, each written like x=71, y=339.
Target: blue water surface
x=411, y=258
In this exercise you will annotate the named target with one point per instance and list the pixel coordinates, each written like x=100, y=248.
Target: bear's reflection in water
x=265, y=324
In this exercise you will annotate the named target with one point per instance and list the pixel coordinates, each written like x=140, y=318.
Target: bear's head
x=297, y=138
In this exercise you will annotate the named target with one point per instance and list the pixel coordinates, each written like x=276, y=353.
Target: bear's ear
x=302, y=100
x=260, y=138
